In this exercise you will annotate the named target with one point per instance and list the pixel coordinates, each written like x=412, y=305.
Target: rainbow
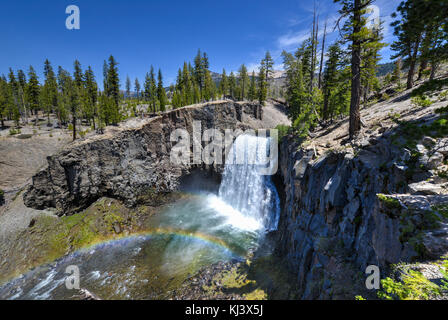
x=205, y=238
x=117, y=239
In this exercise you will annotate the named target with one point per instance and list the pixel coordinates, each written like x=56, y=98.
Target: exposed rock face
x=334, y=224
x=130, y=161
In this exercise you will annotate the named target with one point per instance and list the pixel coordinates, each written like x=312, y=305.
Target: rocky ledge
x=130, y=162
x=372, y=202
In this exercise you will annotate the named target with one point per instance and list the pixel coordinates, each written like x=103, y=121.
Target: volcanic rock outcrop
x=131, y=161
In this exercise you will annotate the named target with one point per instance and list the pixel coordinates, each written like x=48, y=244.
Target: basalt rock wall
x=336, y=222
x=130, y=162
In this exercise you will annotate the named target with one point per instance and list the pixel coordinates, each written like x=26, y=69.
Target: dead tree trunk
x=355, y=123
x=322, y=55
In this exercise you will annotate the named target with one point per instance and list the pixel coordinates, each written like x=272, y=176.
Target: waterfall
x=244, y=188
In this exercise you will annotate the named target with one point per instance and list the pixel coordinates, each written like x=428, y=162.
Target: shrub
x=282, y=131
x=414, y=286
x=2, y=196
x=443, y=96
x=421, y=101
x=390, y=203
x=394, y=116
x=13, y=132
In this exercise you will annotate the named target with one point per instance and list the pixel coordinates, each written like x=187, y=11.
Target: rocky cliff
x=378, y=201
x=130, y=162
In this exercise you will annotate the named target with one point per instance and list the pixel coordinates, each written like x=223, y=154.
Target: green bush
x=414, y=286
x=2, y=196
x=390, y=203
x=443, y=96
x=421, y=101
x=283, y=130
x=13, y=131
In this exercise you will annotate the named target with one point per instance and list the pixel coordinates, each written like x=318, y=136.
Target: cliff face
x=334, y=223
x=129, y=162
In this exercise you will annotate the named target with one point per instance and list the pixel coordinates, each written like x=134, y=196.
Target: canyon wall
x=336, y=222
x=130, y=162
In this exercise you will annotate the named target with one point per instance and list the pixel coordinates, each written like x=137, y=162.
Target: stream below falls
x=186, y=236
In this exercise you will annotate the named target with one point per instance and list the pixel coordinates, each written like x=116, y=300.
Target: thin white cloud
x=294, y=37
x=290, y=39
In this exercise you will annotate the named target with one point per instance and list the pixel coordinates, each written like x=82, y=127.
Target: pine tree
x=50, y=90
x=409, y=31
x=78, y=74
x=188, y=87
x=262, y=86
x=33, y=91
x=147, y=87
x=224, y=84
x=370, y=57
x=268, y=65
x=137, y=87
x=62, y=109
x=232, y=85
x=71, y=99
x=107, y=111
x=336, y=83
x=21, y=95
x=199, y=74
x=14, y=91
x=91, y=95
x=296, y=93
x=161, y=93
x=330, y=77
x=252, y=88
x=358, y=35
x=243, y=81
x=209, y=87
x=152, y=89
x=128, y=87
x=396, y=74
x=113, y=88
x=4, y=100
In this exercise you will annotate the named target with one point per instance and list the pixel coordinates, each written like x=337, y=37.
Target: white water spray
x=244, y=187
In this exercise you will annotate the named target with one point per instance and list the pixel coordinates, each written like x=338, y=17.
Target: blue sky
x=160, y=32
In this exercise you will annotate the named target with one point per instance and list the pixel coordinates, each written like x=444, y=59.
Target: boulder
x=428, y=142
x=435, y=161
x=426, y=188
